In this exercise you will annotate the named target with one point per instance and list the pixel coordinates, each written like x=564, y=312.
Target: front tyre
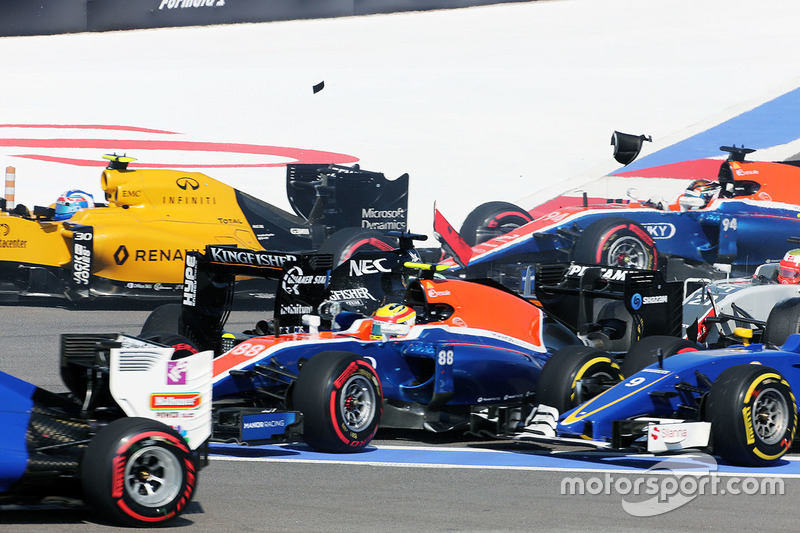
x=644, y=352
x=753, y=415
x=616, y=242
x=138, y=472
x=340, y=396
x=574, y=375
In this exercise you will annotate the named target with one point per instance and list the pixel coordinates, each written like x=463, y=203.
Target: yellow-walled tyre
x=753, y=415
x=576, y=374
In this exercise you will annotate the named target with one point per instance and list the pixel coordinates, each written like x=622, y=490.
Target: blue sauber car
x=737, y=402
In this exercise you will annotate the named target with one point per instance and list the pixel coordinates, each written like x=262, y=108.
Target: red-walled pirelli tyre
x=138, y=472
x=616, y=241
x=341, y=399
x=348, y=241
x=644, y=352
x=492, y=219
x=559, y=381
x=753, y=415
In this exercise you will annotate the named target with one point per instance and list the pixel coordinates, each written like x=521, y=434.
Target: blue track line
x=592, y=461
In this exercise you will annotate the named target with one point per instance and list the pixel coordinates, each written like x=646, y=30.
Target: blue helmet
x=69, y=202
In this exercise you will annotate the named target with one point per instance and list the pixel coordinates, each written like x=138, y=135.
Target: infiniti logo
x=662, y=230
x=186, y=183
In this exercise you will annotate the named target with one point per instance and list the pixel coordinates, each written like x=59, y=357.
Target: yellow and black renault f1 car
x=134, y=244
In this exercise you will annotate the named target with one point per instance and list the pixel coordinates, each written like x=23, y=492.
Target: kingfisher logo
x=660, y=230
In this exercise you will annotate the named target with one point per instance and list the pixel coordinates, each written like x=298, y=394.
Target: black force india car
x=134, y=243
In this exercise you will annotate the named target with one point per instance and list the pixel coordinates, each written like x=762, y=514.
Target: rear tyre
x=645, y=352
x=617, y=242
x=183, y=346
x=492, y=219
x=164, y=318
x=753, y=415
x=138, y=472
x=783, y=320
x=345, y=242
x=340, y=396
x=574, y=375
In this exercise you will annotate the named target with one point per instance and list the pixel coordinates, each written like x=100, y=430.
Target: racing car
x=325, y=369
x=737, y=402
x=134, y=244
x=741, y=219
x=722, y=312
x=128, y=439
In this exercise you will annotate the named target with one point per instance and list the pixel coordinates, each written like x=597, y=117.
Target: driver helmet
x=69, y=202
x=699, y=193
x=391, y=314
x=789, y=268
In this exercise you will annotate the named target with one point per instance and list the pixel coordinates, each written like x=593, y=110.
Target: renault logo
x=187, y=183
x=121, y=255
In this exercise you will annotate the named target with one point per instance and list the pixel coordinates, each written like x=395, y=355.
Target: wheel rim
x=629, y=252
x=153, y=477
x=770, y=416
x=357, y=403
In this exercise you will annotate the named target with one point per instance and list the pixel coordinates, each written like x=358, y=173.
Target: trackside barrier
x=47, y=17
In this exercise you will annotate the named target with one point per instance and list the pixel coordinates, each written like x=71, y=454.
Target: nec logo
x=662, y=230
x=368, y=266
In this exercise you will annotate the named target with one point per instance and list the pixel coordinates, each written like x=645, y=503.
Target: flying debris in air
x=318, y=87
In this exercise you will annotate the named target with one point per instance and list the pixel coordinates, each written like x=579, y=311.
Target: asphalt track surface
x=417, y=482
